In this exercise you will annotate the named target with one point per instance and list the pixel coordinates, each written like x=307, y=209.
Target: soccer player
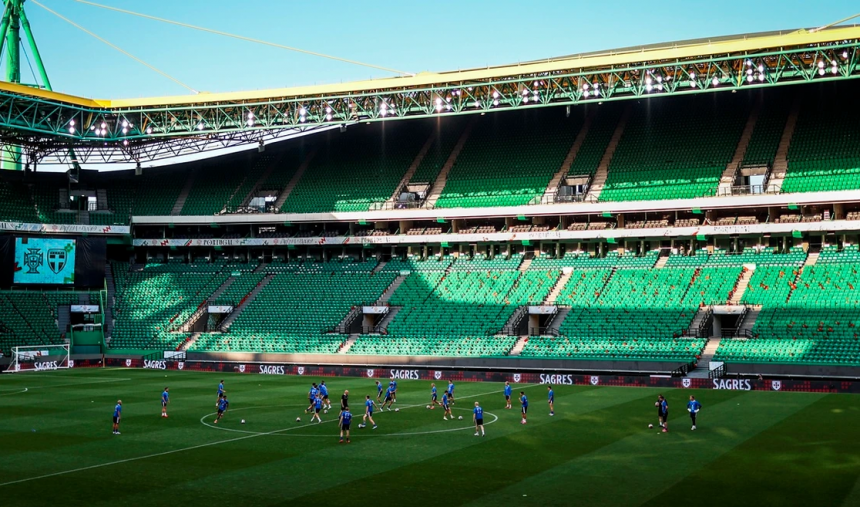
x=117, y=415
x=378, y=391
x=368, y=412
x=324, y=393
x=451, y=391
x=525, y=405
x=344, y=401
x=664, y=413
x=434, y=397
x=312, y=398
x=478, y=417
x=220, y=392
x=317, y=407
x=165, y=399
x=389, y=398
x=693, y=407
x=343, y=421
x=659, y=410
x=551, y=400
x=507, y=394
x=393, y=386
x=446, y=407
x=222, y=407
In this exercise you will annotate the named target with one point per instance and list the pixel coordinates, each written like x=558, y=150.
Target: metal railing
x=748, y=190
x=718, y=372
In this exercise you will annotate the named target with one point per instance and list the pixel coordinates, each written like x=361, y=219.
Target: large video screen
x=44, y=261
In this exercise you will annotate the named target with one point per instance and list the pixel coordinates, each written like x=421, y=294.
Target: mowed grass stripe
x=647, y=462
x=764, y=469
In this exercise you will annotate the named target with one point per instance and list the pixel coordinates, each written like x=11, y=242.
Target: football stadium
x=311, y=276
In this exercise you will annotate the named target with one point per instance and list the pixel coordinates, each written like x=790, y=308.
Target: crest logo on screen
x=56, y=259
x=241, y=368
x=300, y=370
x=776, y=385
x=180, y=365
x=595, y=380
x=517, y=377
x=128, y=363
x=686, y=382
x=438, y=375
x=370, y=373
x=33, y=260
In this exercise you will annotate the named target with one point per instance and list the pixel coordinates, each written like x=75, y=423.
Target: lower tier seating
x=30, y=317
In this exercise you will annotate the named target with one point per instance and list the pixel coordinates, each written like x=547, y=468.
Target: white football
x=650, y=426
x=298, y=419
x=460, y=418
x=325, y=411
x=243, y=421
x=397, y=410
x=428, y=406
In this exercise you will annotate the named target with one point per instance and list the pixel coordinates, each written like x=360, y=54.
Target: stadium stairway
x=780, y=164
x=189, y=341
x=111, y=299
x=727, y=180
x=64, y=318
x=442, y=178
x=416, y=162
x=811, y=259
x=743, y=282
x=554, y=326
x=295, y=179
x=661, y=262
x=703, y=365
x=746, y=325
x=518, y=347
x=350, y=341
x=527, y=261
x=84, y=217
x=700, y=316
x=183, y=195
x=391, y=289
x=599, y=180
x=552, y=188
x=247, y=300
x=559, y=285
x=246, y=199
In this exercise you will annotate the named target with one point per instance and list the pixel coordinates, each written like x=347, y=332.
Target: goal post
x=39, y=358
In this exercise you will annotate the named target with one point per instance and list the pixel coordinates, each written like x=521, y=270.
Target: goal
x=39, y=358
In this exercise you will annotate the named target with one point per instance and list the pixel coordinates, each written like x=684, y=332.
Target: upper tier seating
x=354, y=169
x=447, y=132
x=824, y=153
x=594, y=145
x=768, y=128
x=670, y=153
x=509, y=159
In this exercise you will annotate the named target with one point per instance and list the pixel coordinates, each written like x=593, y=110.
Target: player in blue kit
x=524, y=402
x=393, y=386
x=507, y=394
x=451, y=391
x=378, y=391
x=324, y=396
x=664, y=413
x=434, y=397
x=447, y=407
x=220, y=392
x=165, y=399
x=478, y=417
x=389, y=399
x=368, y=413
x=222, y=407
x=551, y=400
x=117, y=415
x=693, y=407
x=343, y=421
x=317, y=407
x=312, y=398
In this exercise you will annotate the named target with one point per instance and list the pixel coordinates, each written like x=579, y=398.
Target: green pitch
x=751, y=448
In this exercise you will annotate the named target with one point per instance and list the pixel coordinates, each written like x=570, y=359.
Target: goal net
x=39, y=358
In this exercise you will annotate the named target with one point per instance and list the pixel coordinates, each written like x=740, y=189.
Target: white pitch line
x=16, y=392
x=200, y=446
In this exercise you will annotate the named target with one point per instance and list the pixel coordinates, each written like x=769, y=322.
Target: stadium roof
x=48, y=123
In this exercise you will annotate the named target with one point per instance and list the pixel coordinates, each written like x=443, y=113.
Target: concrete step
x=416, y=162
x=295, y=180
x=780, y=163
x=602, y=173
x=742, y=284
x=556, y=322
x=350, y=341
x=552, y=187
x=524, y=265
x=183, y=194
x=518, y=347
x=559, y=285
x=391, y=289
x=442, y=178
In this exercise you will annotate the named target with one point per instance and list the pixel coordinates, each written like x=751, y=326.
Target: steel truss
x=48, y=129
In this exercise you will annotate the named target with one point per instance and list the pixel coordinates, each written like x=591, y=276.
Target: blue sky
x=424, y=37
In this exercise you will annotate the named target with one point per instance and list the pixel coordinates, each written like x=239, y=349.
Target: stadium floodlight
x=71, y=130
x=692, y=75
x=715, y=81
x=149, y=130
x=200, y=126
x=820, y=72
x=495, y=94
x=659, y=79
x=845, y=55
x=125, y=142
x=302, y=119
x=328, y=117
x=749, y=72
x=749, y=78
x=250, y=115
x=761, y=77
x=72, y=123
x=834, y=70
x=648, y=87
x=477, y=103
x=124, y=130
x=438, y=101
x=448, y=107
x=328, y=109
x=303, y=111
x=125, y=124
x=596, y=92
x=648, y=80
x=496, y=102
x=526, y=99
x=585, y=94
x=761, y=68
x=660, y=87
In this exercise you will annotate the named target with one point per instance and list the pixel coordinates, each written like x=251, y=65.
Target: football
x=243, y=421
x=298, y=419
x=325, y=411
x=360, y=426
x=428, y=406
x=460, y=418
x=397, y=410
x=650, y=426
